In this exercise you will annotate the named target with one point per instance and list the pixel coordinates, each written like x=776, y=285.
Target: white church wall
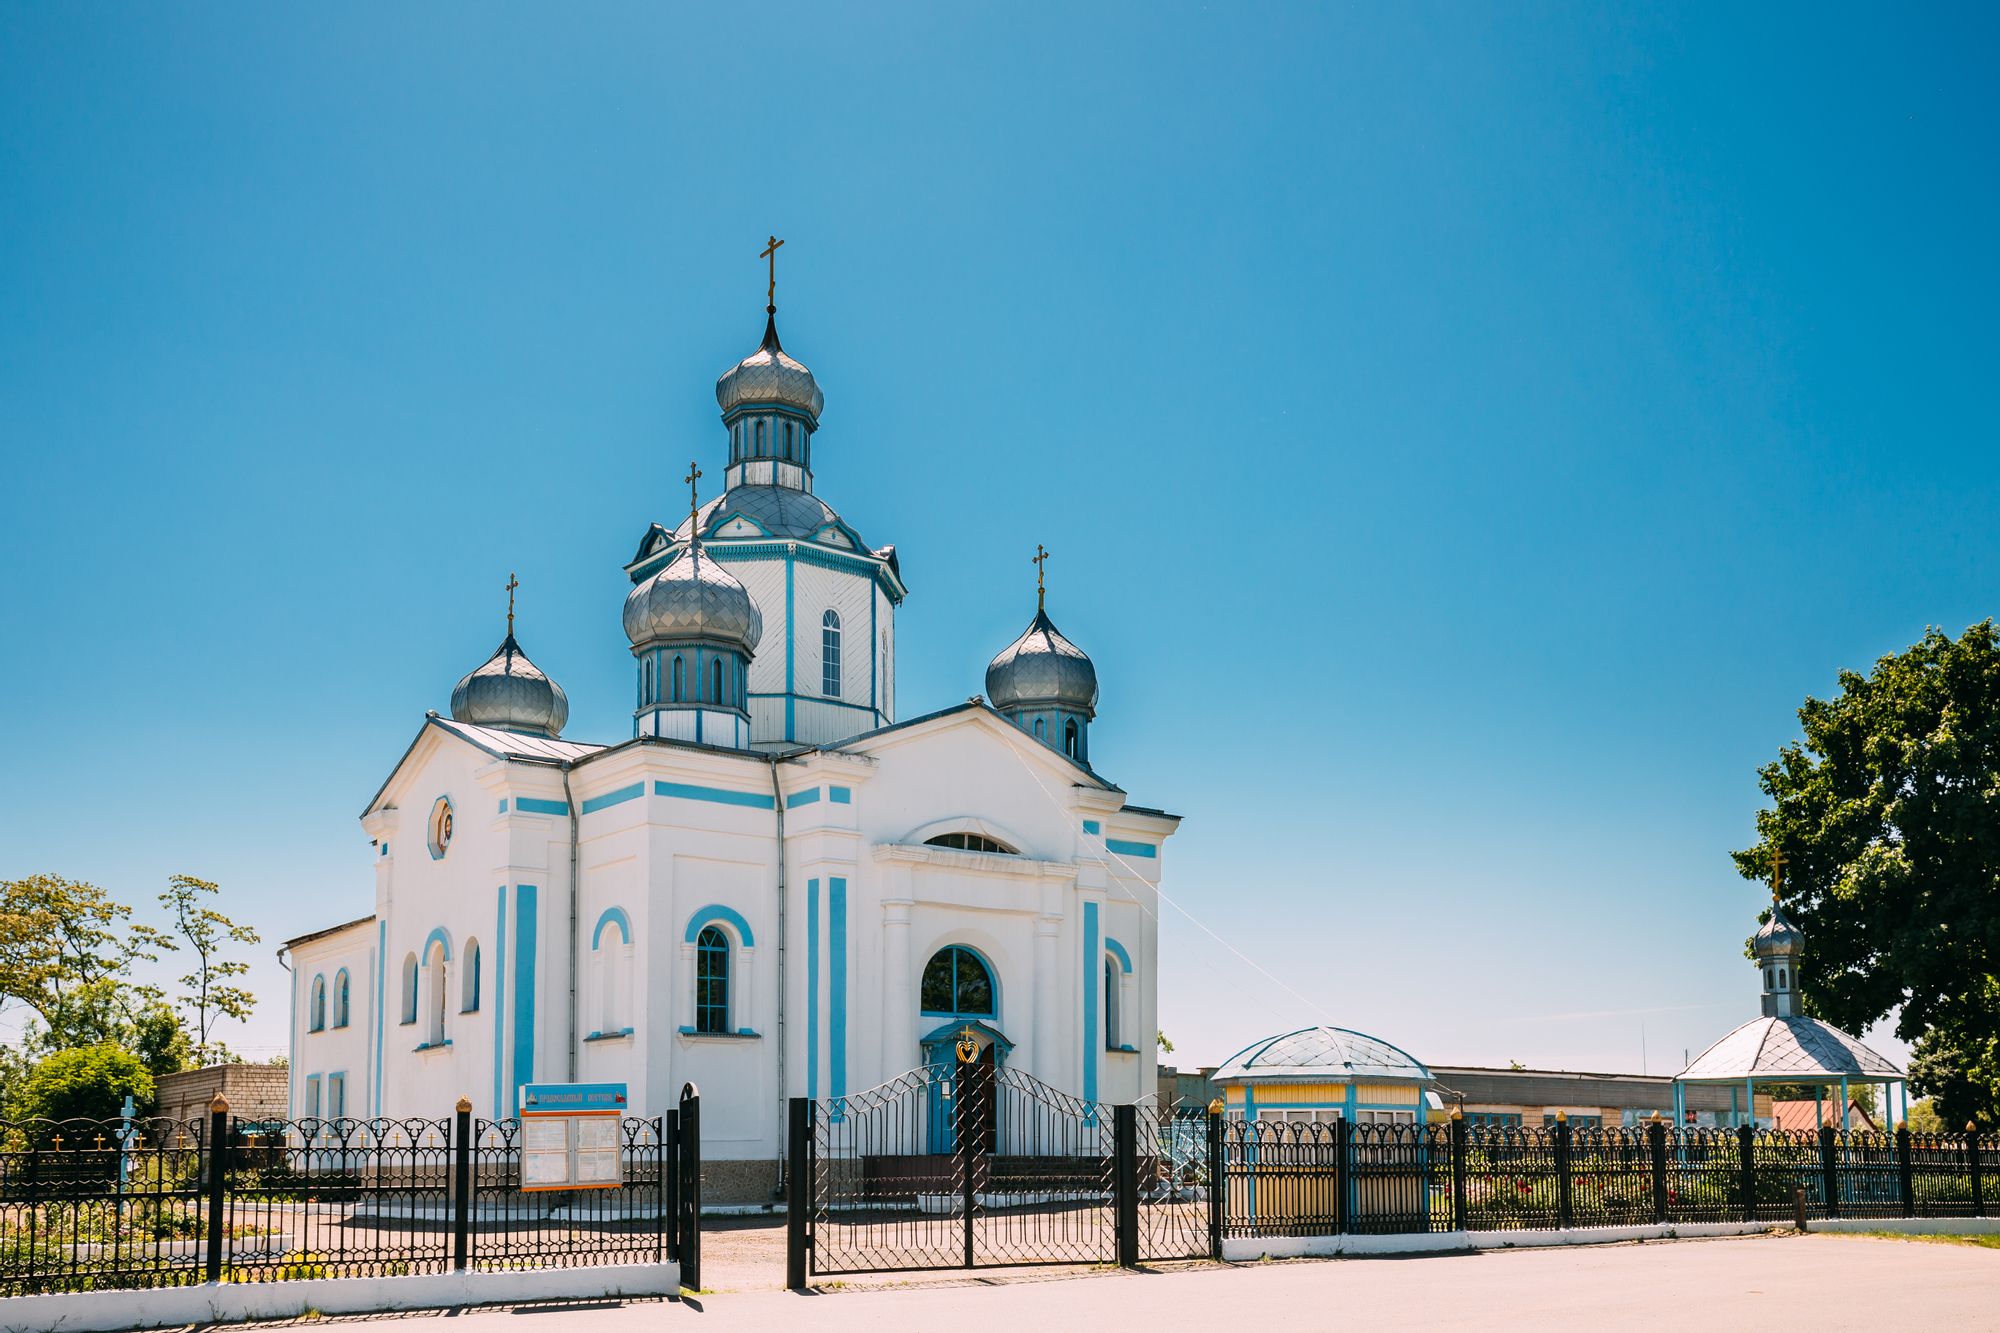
x=334, y=1056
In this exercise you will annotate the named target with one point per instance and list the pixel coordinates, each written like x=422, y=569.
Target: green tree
x=1887, y=816
x=211, y=991
x=109, y=1009
x=61, y=936
x=87, y=1082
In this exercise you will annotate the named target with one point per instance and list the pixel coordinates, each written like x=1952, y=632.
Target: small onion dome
x=767, y=375
x=511, y=692
x=1778, y=935
x=1042, y=667
x=693, y=598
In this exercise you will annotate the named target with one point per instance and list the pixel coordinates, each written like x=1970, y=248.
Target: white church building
x=774, y=887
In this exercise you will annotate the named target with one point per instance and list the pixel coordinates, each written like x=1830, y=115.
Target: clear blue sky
x=1464, y=434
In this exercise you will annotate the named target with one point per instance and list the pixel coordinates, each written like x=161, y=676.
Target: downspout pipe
x=575, y=898
x=778, y=805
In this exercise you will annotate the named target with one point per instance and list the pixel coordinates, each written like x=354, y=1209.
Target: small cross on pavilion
x=1039, y=560
x=770, y=252
x=512, y=583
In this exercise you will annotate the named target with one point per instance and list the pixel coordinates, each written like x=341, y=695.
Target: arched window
x=1111, y=988
x=715, y=681
x=788, y=439
x=316, y=1014
x=957, y=982
x=677, y=677
x=409, y=988
x=711, y=980
x=340, y=989
x=1069, y=738
x=1041, y=729
x=760, y=439
x=1781, y=979
x=611, y=961
x=647, y=681
x=969, y=842
x=468, y=984
x=434, y=970
x=829, y=654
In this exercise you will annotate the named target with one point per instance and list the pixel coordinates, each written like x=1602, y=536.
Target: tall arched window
x=409, y=988
x=678, y=669
x=829, y=653
x=1041, y=729
x=957, y=982
x=340, y=990
x=788, y=439
x=611, y=962
x=434, y=970
x=760, y=439
x=648, y=683
x=1069, y=738
x=468, y=984
x=715, y=681
x=711, y=980
x=1111, y=1035
x=316, y=1013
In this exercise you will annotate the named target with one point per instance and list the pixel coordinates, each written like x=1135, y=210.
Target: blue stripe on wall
x=619, y=797
x=728, y=916
x=500, y=1003
x=839, y=795
x=1124, y=848
x=1088, y=975
x=799, y=798
x=525, y=926
x=812, y=988
x=1092, y=826
x=720, y=795
x=790, y=656
x=836, y=903
x=535, y=805
x=381, y=978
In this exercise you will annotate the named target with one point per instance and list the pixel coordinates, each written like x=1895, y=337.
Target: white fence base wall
x=1242, y=1249
x=228, y=1302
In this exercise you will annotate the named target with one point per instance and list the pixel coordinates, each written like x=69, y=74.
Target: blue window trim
x=702, y=952
x=992, y=984
x=613, y=916
x=728, y=916
x=316, y=1004
x=341, y=999
x=437, y=852
x=1117, y=950
x=438, y=935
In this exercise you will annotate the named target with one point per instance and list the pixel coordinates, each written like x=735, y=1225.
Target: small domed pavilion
x=1324, y=1074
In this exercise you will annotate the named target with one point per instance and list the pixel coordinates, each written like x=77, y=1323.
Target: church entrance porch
x=973, y=1164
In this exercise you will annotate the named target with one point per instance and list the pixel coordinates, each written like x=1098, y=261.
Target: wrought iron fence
x=93, y=1205
x=1296, y=1179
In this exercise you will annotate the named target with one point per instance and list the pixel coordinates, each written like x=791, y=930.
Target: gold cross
x=512, y=583
x=1777, y=873
x=694, y=496
x=770, y=252
x=1039, y=559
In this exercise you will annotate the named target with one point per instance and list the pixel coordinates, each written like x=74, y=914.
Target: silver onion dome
x=510, y=692
x=693, y=598
x=768, y=375
x=1042, y=667
x=1778, y=935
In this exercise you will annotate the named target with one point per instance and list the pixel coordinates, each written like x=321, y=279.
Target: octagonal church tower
x=825, y=668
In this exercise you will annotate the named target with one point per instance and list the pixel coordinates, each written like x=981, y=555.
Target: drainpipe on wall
x=575, y=896
x=778, y=804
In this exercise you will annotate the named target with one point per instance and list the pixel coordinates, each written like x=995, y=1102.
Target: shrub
x=86, y=1083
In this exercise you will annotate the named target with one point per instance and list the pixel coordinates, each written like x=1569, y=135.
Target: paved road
x=1819, y=1282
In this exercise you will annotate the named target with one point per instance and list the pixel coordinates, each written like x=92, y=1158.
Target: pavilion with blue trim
x=1324, y=1074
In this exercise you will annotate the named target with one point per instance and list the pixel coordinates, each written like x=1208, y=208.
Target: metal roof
x=517, y=744
x=1322, y=1053
x=330, y=930
x=1795, y=1049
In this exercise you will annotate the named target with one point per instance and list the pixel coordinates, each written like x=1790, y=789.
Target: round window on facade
x=440, y=831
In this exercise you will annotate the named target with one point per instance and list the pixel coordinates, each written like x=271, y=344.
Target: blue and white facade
x=771, y=888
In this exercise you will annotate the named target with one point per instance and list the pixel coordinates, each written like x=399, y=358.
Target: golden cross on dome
x=1777, y=873
x=770, y=252
x=1039, y=560
x=694, y=496
x=512, y=583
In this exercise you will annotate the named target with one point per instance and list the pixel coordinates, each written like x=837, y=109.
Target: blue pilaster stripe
x=720, y=795
x=619, y=797
x=499, y=1002
x=791, y=657
x=535, y=805
x=525, y=926
x=836, y=902
x=1090, y=1037
x=1124, y=848
x=381, y=982
x=812, y=988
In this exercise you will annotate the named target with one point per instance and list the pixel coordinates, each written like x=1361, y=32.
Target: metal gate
x=683, y=1171
x=971, y=1165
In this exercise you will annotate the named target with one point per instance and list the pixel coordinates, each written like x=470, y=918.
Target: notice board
x=572, y=1136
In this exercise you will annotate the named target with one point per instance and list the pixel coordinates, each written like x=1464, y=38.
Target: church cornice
x=985, y=863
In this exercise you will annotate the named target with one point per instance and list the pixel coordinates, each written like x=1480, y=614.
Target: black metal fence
x=95, y=1205
x=1295, y=1179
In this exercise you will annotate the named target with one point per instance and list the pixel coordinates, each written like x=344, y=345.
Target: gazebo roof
x=1794, y=1050
x=1327, y=1053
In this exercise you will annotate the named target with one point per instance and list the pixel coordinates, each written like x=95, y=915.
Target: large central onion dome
x=1042, y=668
x=693, y=599
x=768, y=375
x=511, y=692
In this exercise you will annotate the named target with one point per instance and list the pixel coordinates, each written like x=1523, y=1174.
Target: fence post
x=1565, y=1214
x=670, y=1163
x=1656, y=1149
x=1746, y=1152
x=798, y=1193
x=1829, y=1171
x=218, y=1174
x=1125, y=1182
x=1457, y=1169
x=1343, y=1153
x=1972, y=1158
x=1905, y=1177
x=461, y=1185
x=1218, y=1180
x=690, y=1214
